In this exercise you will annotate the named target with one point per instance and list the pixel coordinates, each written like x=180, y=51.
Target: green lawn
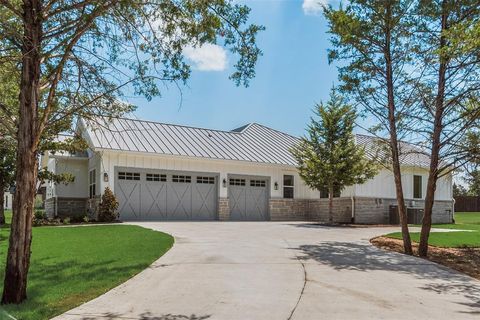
x=71, y=265
x=464, y=221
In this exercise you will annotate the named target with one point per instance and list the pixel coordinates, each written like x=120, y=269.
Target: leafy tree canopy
x=328, y=157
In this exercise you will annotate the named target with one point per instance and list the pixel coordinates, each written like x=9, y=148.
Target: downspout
x=352, y=197
x=453, y=211
x=353, y=208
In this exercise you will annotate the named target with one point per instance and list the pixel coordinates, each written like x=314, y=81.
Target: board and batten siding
x=383, y=185
x=77, y=167
x=110, y=160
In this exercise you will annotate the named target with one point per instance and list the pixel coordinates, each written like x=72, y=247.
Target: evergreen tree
x=328, y=158
x=459, y=190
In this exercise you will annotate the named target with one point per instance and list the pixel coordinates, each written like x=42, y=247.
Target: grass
x=459, y=239
x=71, y=265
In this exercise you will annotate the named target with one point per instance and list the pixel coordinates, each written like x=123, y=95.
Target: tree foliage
x=372, y=38
x=328, y=157
x=108, y=207
x=78, y=58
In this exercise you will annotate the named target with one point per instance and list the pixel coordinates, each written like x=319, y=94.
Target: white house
x=172, y=172
x=7, y=200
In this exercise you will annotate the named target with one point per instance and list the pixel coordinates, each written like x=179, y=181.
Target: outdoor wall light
x=275, y=185
x=105, y=176
x=224, y=182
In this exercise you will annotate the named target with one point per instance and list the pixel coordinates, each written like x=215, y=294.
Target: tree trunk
x=330, y=204
x=2, y=202
x=402, y=211
x=436, y=143
x=18, y=257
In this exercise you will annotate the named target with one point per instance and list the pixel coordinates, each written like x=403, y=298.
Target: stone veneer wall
x=92, y=206
x=223, y=209
x=288, y=209
x=50, y=205
x=342, y=210
x=65, y=207
x=367, y=210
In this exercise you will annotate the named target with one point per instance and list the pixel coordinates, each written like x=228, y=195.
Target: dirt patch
x=466, y=260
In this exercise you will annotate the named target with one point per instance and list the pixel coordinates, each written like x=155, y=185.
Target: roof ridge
x=172, y=124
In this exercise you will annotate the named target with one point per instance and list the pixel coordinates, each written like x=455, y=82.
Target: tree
x=448, y=73
x=108, y=207
x=473, y=180
x=371, y=36
x=77, y=58
x=328, y=158
x=459, y=190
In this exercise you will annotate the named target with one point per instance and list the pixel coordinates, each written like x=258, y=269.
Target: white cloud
x=313, y=7
x=208, y=57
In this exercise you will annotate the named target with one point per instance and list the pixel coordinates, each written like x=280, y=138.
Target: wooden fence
x=467, y=204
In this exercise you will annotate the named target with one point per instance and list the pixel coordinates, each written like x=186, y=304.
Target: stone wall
x=288, y=209
x=373, y=210
x=50, y=205
x=92, y=206
x=65, y=207
x=367, y=210
x=377, y=210
x=223, y=209
x=318, y=210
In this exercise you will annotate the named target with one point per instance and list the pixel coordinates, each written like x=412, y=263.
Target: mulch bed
x=466, y=260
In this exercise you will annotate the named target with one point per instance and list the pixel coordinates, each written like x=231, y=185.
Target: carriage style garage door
x=248, y=198
x=159, y=195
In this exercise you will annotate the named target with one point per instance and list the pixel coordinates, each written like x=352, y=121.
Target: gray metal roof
x=410, y=155
x=252, y=142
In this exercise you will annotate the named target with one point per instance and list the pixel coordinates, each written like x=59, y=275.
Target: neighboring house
x=172, y=172
x=7, y=200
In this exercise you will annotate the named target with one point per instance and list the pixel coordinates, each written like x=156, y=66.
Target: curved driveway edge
x=284, y=270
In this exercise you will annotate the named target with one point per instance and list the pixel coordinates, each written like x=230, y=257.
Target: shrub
x=40, y=215
x=108, y=207
x=86, y=219
x=66, y=220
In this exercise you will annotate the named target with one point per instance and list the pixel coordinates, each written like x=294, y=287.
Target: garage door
x=248, y=198
x=155, y=195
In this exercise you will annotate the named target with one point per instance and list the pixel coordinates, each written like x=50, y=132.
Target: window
x=417, y=187
x=156, y=177
x=324, y=193
x=92, y=183
x=237, y=182
x=129, y=176
x=206, y=180
x=182, y=179
x=258, y=183
x=288, y=186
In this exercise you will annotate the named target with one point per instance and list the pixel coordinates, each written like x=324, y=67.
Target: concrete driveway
x=284, y=270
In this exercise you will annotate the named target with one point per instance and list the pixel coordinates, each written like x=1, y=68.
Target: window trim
x=421, y=187
x=289, y=187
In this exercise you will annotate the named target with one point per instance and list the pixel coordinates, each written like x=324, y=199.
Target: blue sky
x=291, y=76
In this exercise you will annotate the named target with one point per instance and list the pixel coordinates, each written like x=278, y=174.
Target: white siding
x=383, y=185
x=78, y=168
x=222, y=167
x=7, y=200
